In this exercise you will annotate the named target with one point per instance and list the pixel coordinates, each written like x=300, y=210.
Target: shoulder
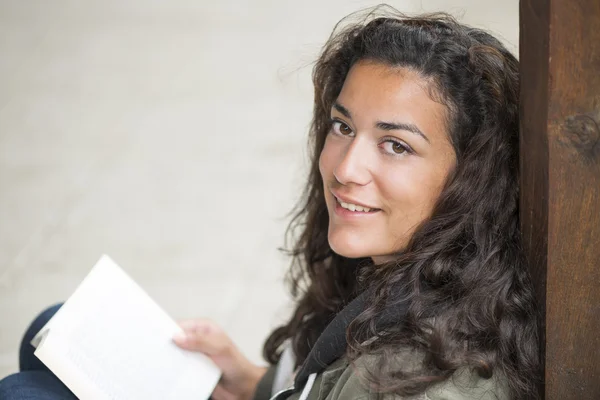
x=467, y=384
x=351, y=382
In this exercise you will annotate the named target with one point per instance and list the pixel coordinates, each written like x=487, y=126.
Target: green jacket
x=340, y=381
x=327, y=375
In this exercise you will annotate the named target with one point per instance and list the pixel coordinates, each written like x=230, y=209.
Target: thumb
x=203, y=336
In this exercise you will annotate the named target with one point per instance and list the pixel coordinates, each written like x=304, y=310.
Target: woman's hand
x=240, y=376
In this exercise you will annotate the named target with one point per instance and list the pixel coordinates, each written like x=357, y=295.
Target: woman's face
x=385, y=160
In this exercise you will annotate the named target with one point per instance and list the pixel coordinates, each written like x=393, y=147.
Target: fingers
x=204, y=336
x=220, y=393
x=197, y=325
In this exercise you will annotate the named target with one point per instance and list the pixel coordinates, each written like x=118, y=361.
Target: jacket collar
x=332, y=343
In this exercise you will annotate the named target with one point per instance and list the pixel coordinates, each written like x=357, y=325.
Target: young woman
x=407, y=266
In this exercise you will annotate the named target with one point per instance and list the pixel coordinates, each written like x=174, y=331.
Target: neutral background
x=169, y=135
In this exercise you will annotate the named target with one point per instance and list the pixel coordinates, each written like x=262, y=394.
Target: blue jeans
x=34, y=381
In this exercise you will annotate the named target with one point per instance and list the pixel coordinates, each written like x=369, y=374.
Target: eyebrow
x=386, y=126
x=343, y=110
x=395, y=126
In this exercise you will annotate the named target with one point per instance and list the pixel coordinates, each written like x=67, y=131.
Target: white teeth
x=354, y=207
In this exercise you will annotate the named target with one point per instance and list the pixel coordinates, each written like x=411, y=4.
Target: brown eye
x=340, y=128
x=398, y=148
x=345, y=129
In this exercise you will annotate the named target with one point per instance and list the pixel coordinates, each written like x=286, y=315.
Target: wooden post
x=560, y=186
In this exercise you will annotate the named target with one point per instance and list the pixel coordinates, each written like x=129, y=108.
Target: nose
x=353, y=167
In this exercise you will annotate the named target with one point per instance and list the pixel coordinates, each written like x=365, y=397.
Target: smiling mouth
x=355, y=208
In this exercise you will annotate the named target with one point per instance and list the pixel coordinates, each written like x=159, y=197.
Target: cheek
x=321, y=168
x=327, y=160
x=411, y=198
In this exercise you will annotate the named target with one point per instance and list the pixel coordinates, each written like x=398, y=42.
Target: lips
x=353, y=205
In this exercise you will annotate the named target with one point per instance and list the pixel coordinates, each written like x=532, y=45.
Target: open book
x=110, y=340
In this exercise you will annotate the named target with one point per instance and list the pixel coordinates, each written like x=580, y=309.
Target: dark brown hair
x=463, y=273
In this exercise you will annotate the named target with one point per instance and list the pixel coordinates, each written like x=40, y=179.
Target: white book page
x=113, y=332
x=52, y=349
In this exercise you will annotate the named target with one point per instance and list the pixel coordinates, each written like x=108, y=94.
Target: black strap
x=331, y=345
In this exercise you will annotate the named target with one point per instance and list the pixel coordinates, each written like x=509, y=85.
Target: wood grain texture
x=534, y=157
x=560, y=44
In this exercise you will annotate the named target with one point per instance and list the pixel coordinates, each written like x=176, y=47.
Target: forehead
x=375, y=91
x=387, y=80
x=381, y=83
x=377, y=81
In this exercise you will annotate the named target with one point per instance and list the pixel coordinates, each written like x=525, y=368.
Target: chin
x=349, y=247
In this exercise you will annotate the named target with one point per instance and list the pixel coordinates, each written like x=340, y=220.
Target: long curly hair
x=463, y=273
